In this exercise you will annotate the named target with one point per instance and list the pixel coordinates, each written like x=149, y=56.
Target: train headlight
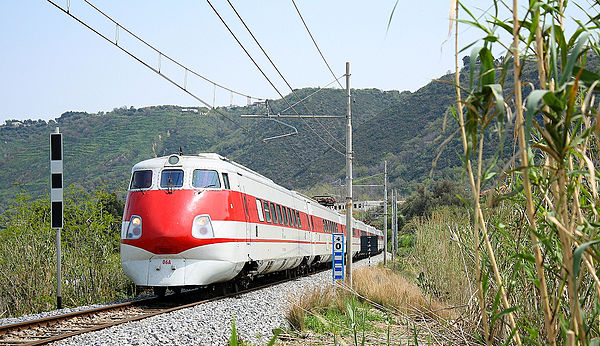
x=134, y=231
x=202, y=227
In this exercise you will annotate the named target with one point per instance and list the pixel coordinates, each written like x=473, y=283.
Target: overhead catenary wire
x=315, y=43
x=300, y=160
x=157, y=71
x=281, y=75
x=319, y=89
x=162, y=54
x=264, y=74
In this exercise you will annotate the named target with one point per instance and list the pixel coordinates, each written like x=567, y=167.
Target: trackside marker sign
x=56, y=180
x=338, y=256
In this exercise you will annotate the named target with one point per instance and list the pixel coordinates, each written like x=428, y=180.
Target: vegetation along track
x=45, y=330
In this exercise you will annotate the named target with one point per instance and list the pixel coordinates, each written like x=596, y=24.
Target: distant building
x=360, y=205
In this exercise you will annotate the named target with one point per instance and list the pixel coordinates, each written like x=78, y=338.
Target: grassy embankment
x=91, y=268
x=381, y=308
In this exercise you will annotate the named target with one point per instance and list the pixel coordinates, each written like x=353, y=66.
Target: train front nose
x=157, y=227
x=175, y=236
x=164, y=222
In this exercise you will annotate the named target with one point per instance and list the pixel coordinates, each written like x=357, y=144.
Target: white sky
x=50, y=63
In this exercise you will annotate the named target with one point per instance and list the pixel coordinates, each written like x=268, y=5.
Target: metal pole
x=385, y=213
x=349, y=230
x=395, y=201
x=392, y=226
x=58, y=271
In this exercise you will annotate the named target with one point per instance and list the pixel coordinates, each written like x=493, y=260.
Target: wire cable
x=300, y=160
x=281, y=75
x=315, y=43
x=161, y=54
x=319, y=89
x=157, y=71
x=265, y=75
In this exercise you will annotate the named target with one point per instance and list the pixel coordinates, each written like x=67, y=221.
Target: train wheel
x=244, y=283
x=222, y=289
x=159, y=291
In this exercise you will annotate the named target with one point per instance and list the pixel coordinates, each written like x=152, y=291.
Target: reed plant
x=534, y=237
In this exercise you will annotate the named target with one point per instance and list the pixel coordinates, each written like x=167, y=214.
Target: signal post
x=56, y=203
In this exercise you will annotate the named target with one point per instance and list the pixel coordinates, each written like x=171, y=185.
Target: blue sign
x=338, y=256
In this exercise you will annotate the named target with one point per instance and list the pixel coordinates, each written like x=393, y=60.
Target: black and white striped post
x=56, y=202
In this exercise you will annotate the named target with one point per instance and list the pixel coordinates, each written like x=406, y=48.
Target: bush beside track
x=91, y=267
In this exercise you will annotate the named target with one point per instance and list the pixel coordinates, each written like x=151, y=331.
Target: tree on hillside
x=428, y=197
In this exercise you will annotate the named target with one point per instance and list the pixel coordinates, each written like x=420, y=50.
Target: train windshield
x=141, y=180
x=171, y=178
x=205, y=178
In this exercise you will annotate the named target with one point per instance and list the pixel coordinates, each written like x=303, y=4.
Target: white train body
x=200, y=220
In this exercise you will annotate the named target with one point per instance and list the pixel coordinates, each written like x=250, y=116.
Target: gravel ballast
x=256, y=315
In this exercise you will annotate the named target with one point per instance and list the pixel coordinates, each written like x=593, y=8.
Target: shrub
x=91, y=267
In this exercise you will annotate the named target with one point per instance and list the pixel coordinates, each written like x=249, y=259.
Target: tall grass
x=388, y=289
x=91, y=269
x=378, y=295
x=442, y=255
x=538, y=265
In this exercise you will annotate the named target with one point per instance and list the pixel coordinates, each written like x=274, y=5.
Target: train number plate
x=166, y=271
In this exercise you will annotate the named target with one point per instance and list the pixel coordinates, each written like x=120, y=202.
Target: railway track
x=50, y=329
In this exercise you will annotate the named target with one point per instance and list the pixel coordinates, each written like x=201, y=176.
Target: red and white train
x=200, y=220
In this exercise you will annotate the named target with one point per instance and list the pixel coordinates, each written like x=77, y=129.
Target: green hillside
x=404, y=128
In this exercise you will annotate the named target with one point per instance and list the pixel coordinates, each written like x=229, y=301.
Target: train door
x=303, y=248
x=247, y=224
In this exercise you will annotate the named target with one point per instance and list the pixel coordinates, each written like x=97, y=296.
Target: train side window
x=259, y=210
x=267, y=211
x=299, y=220
x=171, y=178
x=285, y=218
x=226, y=180
x=273, y=213
x=324, y=226
x=312, y=222
x=245, y=207
x=287, y=210
x=279, y=217
x=205, y=178
x=141, y=180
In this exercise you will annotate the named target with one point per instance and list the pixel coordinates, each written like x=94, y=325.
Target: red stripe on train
x=175, y=248
x=167, y=217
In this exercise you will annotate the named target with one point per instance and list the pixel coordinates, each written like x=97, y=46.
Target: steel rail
x=15, y=334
